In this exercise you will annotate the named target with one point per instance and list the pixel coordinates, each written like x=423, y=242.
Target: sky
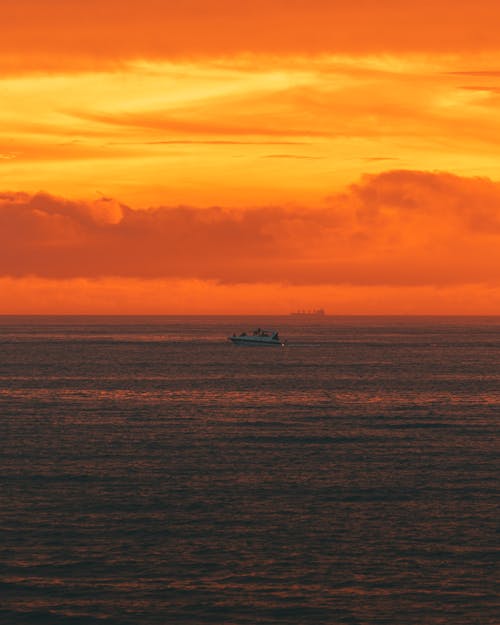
x=220, y=157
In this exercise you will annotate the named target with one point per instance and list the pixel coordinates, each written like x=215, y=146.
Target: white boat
x=258, y=337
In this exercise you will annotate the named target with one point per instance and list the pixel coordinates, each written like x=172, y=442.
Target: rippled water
x=151, y=472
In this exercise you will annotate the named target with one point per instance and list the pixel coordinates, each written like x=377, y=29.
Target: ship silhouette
x=318, y=312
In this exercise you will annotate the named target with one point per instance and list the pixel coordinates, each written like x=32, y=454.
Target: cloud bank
x=399, y=228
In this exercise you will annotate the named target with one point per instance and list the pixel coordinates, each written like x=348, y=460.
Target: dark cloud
x=395, y=228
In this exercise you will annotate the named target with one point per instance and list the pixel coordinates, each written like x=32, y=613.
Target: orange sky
x=219, y=157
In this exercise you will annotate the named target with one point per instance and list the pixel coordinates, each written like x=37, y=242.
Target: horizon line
x=341, y=315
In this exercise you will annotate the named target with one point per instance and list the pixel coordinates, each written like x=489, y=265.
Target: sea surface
x=153, y=473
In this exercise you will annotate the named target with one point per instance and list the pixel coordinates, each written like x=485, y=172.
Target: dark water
x=151, y=472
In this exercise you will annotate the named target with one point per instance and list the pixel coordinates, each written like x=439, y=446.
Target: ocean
x=153, y=473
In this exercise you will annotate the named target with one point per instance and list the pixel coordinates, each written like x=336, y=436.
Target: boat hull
x=255, y=340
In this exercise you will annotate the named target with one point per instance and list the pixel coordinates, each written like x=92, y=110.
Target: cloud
x=223, y=142
x=379, y=158
x=395, y=228
x=294, y=156
x=156, y=121
x=93, y=33
x=196, y=132
x=481, y=73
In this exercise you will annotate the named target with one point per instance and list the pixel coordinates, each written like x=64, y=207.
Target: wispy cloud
x=157, y=121
x=224, y=142
x=200, y=132
x=294, y=156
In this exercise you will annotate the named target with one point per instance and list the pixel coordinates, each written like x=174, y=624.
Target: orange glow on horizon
x=120, y=296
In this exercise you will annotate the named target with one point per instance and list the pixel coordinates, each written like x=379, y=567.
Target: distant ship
x=318, y=312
